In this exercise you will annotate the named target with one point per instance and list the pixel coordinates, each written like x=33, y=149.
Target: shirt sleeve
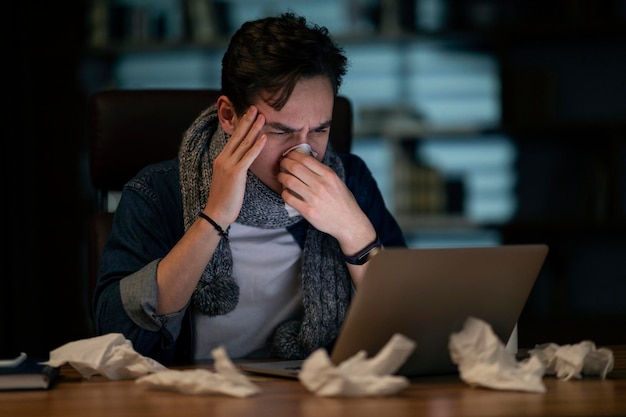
x=140, y=296
x=147, y=224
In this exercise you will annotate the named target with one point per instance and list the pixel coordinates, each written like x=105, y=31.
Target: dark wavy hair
x=272, y=54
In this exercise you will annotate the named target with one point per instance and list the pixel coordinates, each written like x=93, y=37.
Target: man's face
x=305, y=118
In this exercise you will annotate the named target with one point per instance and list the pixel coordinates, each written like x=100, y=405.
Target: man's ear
x=226, y=114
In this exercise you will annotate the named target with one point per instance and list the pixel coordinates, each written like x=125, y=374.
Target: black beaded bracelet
x=219, y=229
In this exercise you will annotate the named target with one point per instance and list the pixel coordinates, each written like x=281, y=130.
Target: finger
x=290, y=181
x=312, y=164
x=304, y=167
x=253, y=151
x=247, y=131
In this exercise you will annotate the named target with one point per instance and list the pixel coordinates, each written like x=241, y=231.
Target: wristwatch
x=366, y=254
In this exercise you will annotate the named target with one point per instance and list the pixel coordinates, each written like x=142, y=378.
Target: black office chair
x=129, y=129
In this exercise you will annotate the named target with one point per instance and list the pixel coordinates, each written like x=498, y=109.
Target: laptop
x=426, y=295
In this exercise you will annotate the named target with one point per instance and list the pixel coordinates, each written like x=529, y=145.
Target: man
x=240, y=241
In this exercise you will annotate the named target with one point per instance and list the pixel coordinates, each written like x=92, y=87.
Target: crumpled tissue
x=358, y=376
x=226, y=379
x=110, y=355
x=574, y=361
x=483, y=360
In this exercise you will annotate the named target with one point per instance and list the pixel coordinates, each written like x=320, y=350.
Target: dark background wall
x=44, y=201
x=571, y=167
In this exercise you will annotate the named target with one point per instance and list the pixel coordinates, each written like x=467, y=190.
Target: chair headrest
x=129, y=129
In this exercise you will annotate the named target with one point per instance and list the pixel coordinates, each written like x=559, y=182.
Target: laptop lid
x=426, y=294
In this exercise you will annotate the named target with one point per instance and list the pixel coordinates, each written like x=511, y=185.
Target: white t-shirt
x=267, y=266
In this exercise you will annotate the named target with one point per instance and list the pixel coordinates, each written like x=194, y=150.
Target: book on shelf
x=24, y=373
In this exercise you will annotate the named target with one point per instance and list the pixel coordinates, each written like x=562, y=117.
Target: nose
x=301, y=137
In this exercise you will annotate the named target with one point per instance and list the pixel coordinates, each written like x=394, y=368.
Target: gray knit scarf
x=326, y=285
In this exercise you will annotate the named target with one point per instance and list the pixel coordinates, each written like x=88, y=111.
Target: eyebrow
x=288, y=129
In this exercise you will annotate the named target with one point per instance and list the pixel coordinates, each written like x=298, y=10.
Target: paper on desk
x=226, y=380
x=574, y=361
x=110, y=355
x=483, y=360
x=358, y=376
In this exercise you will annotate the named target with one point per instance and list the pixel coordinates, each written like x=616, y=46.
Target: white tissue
x=302, y=148
x=110, y=355
x=598, y=363
x=358, y=376
x=226, y=380
x=483, y=360
x=572, y=361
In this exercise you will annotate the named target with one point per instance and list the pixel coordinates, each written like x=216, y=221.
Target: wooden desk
x=440, y=396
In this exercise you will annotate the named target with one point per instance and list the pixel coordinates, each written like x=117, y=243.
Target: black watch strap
x=366, y=254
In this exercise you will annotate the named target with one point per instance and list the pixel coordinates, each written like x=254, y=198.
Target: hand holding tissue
x=304, y=148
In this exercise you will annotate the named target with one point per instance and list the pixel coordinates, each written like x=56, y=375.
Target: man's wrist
x=365, y=254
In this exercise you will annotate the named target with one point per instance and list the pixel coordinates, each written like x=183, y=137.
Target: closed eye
x=323, y=128
x=278, y=133
x=281, y=130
